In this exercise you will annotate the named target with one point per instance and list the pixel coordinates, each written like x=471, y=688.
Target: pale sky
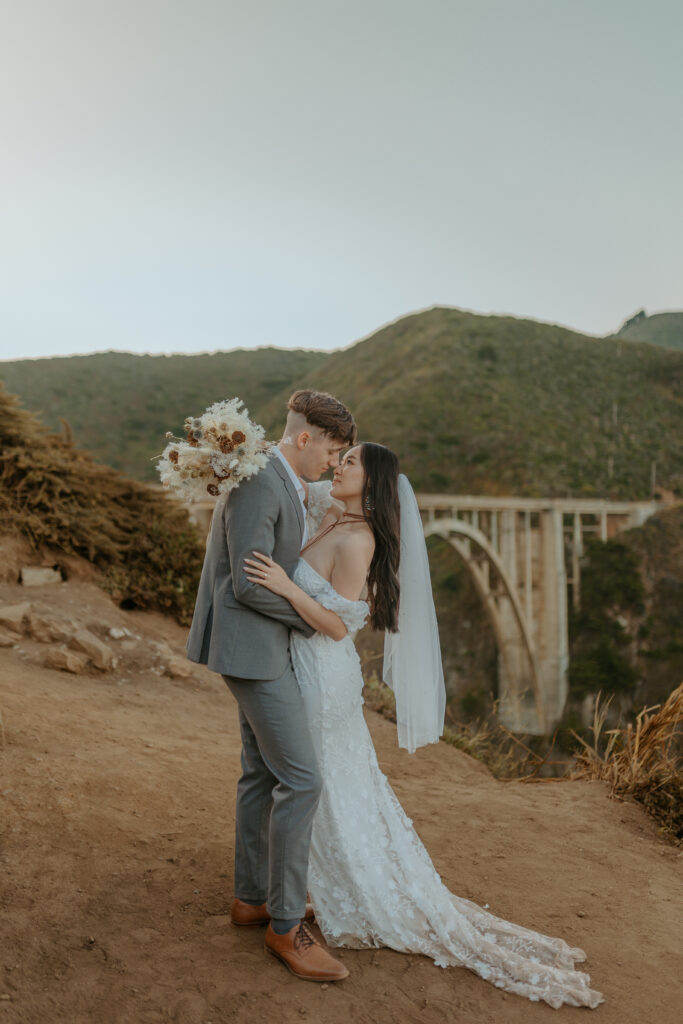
x=191, y=175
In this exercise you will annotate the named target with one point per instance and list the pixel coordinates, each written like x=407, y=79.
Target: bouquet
x=220, y=449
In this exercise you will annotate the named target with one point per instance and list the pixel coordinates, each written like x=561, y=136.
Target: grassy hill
x=498, y=405
x=479, y=404
x=119, y=406
x=665, y=329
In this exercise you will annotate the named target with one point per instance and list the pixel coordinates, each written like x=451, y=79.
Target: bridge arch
x=453, y=531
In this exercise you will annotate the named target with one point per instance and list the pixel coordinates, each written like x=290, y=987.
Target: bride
x=371, y=880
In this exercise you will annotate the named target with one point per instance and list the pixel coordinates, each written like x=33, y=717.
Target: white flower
x=199, y=465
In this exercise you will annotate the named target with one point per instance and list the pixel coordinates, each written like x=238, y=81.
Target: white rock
x=15, y=616
x=99, y=653
x=32, y=576
x=118, y=634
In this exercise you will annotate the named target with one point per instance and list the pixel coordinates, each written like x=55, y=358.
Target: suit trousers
x=277, y=794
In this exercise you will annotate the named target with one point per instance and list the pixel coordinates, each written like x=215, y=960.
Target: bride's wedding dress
x=371, y=880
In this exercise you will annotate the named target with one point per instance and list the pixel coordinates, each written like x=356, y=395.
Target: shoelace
x=303, y=938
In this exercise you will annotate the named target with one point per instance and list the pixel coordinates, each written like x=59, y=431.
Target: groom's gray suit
x=241, y=630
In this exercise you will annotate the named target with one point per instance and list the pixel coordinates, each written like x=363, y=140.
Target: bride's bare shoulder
x=355, y=544
x=352, y=557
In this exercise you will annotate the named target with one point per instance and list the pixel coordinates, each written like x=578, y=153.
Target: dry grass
x=642, y=761
x=505, y=755
x=55, y=496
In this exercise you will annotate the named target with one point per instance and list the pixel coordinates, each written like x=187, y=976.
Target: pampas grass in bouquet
x=220, y=449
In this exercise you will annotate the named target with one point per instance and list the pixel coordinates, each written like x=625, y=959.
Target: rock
x=32, y=576
x=15, y=616
x=6, y=640
x=118, y=634
x=65, y=660
x=172, y=665
x=177, y=668
x=48, y=630
x=98, y=652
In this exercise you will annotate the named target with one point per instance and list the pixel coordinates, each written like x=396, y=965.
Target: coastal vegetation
x=60, y=500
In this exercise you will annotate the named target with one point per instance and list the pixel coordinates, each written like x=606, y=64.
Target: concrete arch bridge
x=524, y=557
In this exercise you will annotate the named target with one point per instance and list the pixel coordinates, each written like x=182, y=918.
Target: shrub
x=57, y=496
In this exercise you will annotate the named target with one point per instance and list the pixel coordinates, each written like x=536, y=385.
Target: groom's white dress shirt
x=300, y=490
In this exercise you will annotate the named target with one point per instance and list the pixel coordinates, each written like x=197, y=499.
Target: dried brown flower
x=213, y=490
x=238, y=437
x=173, y=456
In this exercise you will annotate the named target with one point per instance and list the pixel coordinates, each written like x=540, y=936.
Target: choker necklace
x=350, y=517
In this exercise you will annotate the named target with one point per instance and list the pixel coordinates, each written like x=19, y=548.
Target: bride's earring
x=368, y=504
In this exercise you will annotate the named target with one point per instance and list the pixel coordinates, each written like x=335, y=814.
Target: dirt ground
x=117, y=842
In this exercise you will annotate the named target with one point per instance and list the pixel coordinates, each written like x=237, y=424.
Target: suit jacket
x=241, y=628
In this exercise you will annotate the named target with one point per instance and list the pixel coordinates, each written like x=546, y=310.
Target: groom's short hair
x=323, y=411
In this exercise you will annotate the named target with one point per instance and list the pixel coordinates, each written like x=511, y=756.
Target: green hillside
x=496, y=405
x=478, y=404
x=119, y=406
x=665, y=329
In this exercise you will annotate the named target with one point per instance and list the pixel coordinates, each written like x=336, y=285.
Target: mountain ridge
x=664, y=329
x=471, y=402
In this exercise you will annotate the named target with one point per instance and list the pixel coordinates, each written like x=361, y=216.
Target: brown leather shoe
x=244, y=915
x=303, y=955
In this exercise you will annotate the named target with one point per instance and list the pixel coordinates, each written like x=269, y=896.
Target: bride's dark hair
x=382, y=508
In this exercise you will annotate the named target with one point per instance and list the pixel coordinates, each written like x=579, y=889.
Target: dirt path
x=117, y=820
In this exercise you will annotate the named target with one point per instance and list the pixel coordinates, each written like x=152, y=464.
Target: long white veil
x=412, y=657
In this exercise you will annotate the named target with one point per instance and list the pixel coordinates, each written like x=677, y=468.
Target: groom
x=242, y=630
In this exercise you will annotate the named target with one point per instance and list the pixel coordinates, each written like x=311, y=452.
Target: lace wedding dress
x=371, y=880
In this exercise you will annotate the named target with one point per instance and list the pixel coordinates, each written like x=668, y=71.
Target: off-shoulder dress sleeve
x=352, y=613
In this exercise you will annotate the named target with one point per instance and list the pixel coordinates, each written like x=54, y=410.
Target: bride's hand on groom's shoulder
x=263, y=570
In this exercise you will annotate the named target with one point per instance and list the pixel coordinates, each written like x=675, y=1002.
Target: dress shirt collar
x=300, y=489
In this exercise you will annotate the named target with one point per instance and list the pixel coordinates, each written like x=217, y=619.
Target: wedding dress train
x=371, y=880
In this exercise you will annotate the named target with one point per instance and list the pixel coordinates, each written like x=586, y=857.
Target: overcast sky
x=187, y=175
